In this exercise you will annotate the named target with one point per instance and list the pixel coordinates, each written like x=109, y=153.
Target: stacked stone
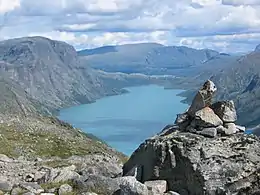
x=209, y=119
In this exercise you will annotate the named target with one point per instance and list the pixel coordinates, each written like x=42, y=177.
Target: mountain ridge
x=147, y=58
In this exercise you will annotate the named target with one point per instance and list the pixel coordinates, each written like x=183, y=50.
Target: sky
x=224, y=25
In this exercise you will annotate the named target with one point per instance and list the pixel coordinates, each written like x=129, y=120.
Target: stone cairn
x=209, y=119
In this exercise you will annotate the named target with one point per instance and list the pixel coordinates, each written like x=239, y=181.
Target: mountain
x=51, y=75
x=147, y=58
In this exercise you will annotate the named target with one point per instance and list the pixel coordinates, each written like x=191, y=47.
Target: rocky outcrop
x=194, y=164
x=203, y=153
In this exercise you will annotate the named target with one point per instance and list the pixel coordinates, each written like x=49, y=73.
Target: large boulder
x=157, y=186
x=193, y=164
x=207, y=118
x=225, y=110
x=203, y=98
x=130, y=186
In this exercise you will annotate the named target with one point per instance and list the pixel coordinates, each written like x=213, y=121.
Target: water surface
x=125, y=121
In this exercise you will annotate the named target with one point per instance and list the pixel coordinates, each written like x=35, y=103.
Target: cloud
x=8, y=5
x=92, y=23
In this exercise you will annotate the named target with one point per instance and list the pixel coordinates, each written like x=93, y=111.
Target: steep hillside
x=147, y=58
x=49, y=71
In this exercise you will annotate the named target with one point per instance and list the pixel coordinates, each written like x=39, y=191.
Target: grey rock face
x=230, y=128
x=200, y=165
x=65, y=189
x=207, y=118
x=102, y=184
x=32, y=187
x=225, y=110
x=58, y=175
x=156, y=186
x=130, y=186
x=209, y=132
x=181, y=118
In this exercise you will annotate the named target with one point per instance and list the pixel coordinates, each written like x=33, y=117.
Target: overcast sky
x=224, y=25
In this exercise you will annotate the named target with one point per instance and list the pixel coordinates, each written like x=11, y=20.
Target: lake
x=125, y=121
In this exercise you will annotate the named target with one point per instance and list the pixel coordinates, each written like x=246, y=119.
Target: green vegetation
x=47, y=137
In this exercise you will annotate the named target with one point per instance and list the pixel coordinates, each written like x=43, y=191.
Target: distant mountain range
x=151, y=58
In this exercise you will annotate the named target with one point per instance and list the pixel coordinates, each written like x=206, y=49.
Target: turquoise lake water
x=125, y=121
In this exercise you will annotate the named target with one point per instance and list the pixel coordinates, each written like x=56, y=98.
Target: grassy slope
x=46, y=137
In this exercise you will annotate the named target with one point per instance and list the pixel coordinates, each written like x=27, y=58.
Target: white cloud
x=8, y=5
x=90, y=23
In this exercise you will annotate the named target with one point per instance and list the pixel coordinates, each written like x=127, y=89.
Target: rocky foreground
x=203, y=153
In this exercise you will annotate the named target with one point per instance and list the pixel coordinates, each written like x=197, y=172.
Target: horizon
x=233, y=25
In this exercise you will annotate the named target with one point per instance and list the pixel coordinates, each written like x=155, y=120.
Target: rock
x=65, y=189
x=32, y=187
x=157, y=186
x=203, y=98
x=130, y=186
x=209, y=132
x=182, y=121
x=226, y=111
x=207, y=118
x=5, y=186
x=191, y=129
x=66, y=174
x=168, y=130
x=47, y=194
x=105, y=185
x=181, y=118
x=58, y=175
x=241, y=128
x=193, y=164
x=221, y=129
x=230, y=128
